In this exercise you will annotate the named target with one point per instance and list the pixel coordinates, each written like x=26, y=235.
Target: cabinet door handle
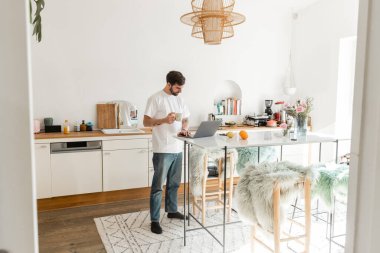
x=43, y=146
x=106, y=153
x=143, y=151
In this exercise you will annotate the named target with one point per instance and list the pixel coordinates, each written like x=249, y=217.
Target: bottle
x=83, y=126
x=76, y=126
x=66, y=127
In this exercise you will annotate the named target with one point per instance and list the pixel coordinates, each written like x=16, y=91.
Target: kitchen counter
x=99, y=135
x=95, y=133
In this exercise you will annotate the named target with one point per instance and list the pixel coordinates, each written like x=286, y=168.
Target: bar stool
x=262, y=192
x=214, y=191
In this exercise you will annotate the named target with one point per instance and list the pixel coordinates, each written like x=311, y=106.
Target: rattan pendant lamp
x=212, y=20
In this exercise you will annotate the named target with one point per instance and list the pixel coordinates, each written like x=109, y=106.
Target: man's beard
x=172, y=92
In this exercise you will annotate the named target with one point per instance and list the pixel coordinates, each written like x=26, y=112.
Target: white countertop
x=256, y=139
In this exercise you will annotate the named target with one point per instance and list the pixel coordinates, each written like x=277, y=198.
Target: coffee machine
x=268, y=105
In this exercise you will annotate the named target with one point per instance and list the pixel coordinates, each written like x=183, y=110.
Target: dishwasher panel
x=76, y=168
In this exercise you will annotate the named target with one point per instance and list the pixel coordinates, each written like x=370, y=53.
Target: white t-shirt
x=159, y=105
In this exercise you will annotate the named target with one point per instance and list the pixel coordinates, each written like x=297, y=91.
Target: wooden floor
x=73, y=229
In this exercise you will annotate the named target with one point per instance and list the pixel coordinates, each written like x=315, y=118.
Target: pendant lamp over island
x=212, y=20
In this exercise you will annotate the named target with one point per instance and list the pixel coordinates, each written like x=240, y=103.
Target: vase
x=301, y=126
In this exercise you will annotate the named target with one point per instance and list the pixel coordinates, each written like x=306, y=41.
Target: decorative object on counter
x=83, y=126
x=48, y=121
x=300, y=112
x=66, y=127
x=53, y=129
x=212, y=20
x=89, y=126
x=36, y=126
x=211, y=116
x=268, y=105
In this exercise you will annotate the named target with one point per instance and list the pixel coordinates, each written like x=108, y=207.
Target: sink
x=123, y=131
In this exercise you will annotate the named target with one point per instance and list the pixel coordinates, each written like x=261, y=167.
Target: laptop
x=206, y=129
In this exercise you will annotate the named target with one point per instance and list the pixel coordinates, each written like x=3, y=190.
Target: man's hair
x=175, y=77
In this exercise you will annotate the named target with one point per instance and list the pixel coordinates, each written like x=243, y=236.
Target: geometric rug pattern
x=130, y=233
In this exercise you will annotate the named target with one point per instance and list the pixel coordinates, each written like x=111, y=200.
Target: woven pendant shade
x=212, y=20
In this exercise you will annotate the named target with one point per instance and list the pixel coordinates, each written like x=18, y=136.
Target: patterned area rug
x=130, y=232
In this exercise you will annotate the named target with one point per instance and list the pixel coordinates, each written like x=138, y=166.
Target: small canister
x=89, y=126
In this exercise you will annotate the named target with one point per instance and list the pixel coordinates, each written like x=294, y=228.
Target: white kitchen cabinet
x=125, y=164
x=76, y=172
x=43, y=172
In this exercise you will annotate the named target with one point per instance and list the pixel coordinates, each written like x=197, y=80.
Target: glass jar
x=301, y=126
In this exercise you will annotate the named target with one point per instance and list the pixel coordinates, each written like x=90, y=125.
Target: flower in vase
x=285, y=128
x=300, y=109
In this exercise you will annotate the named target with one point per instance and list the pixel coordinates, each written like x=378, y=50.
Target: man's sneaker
x=155, y=227
x=177, y=215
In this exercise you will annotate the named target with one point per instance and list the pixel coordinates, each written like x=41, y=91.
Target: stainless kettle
x=211, y=117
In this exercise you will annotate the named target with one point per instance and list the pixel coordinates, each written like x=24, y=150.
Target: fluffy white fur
x=197, y=170
x=255, y=189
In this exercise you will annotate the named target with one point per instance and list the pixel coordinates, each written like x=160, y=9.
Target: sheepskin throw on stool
x=197, y=171
x=255, y=190
x=332, y=183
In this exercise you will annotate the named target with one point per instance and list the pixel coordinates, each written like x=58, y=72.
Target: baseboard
x=97, y=198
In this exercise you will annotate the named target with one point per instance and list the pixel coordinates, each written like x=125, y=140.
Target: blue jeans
x=167, y=166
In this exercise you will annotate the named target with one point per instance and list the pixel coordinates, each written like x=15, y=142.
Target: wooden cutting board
x=107, y=115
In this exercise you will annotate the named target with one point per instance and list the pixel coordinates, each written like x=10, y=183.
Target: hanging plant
x=36, y=22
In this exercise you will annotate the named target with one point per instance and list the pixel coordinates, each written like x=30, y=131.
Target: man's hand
x=170, y=118
x=185, y=133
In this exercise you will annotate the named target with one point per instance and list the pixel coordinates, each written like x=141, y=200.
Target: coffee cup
x=178, y=116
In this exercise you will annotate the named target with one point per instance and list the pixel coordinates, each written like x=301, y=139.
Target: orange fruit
x=243, y=134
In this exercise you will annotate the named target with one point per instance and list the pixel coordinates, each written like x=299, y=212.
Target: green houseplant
x=36, y=21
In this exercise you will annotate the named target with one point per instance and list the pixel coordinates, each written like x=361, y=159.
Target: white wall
x=94, y=51
x=18, y=228
x=317, y=34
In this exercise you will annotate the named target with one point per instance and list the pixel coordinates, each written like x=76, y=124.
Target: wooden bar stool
x=213, y=191
x=277, y=233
